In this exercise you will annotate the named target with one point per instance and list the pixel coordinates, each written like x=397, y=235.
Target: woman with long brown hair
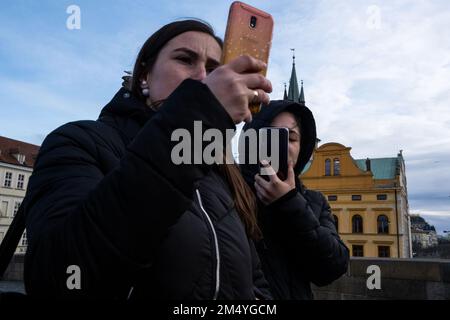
x=108, y=212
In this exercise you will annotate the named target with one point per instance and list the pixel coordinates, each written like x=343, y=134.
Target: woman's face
x=191, y=54
x=287, y=120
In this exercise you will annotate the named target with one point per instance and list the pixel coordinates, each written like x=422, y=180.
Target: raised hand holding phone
x=275, y=188
x=276, y=177
x=249, y=32
x=273, y=146
x=230, y=84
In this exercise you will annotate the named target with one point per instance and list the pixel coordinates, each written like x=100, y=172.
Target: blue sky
x=377, y=73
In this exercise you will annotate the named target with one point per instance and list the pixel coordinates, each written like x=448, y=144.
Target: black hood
x=307, y=130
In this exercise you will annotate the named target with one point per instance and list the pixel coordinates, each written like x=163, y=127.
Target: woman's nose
x=200, y=73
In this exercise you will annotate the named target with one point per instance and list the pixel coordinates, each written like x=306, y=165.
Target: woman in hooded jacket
x=300, y=244
x=110, y=215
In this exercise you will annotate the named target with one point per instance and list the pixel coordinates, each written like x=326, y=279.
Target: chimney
x=368, y=167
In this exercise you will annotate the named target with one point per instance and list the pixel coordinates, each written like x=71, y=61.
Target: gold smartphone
x=249, y=32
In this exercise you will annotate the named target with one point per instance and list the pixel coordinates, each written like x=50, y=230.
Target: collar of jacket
x=124, y=104
x=122, y=108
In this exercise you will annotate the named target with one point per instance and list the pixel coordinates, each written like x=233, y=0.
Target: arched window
x=336, y=167
x=383, y=224
x=336, y=222
x=357, y=224
x=327, y=167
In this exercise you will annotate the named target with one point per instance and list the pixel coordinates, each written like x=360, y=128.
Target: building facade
x=368, y=198
x=423, y=235
x=16, y=165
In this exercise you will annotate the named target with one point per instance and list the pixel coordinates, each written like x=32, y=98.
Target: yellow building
x=368, y=198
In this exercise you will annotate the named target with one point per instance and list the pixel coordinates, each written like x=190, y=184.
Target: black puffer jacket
x=106, y=197
x=300, y=242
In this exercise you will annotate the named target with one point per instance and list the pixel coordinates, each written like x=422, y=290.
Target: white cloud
x=425, y=212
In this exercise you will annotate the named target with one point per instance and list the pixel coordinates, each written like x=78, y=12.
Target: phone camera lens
x=253, y=22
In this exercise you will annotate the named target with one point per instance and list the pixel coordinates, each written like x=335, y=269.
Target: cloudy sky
x=376, y=73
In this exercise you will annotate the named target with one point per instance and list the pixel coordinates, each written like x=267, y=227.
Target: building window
x=336, y=167
x=383, y=224
x=327, y=167
x=332, y=198
x=336, y=222
x=358, y=250
x=384, y=251
x=381, y=196
x=24, y=239
x=4, y=209
x=8, y=179
x=16, y=207
x=20, y=181
x=356, y=197
x=357, y=224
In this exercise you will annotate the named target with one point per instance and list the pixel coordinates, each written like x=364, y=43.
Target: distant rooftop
x=17, y=152
x=419, y=223
x=382, y=168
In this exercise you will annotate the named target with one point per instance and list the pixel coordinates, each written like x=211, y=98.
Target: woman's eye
x=186, y=60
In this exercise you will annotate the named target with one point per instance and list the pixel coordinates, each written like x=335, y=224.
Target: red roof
x=10, y=151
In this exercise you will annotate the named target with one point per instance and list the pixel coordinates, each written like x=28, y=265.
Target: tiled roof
x=382, y=168
x=9, y=148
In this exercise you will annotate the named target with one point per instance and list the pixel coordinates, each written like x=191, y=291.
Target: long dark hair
x=244, y=199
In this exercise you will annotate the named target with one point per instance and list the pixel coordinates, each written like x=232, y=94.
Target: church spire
x=301, y=99
x=285, y=96
x=293, y=93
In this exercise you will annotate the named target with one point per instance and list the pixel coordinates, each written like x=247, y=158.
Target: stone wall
x=14, y=272
x=421, y=279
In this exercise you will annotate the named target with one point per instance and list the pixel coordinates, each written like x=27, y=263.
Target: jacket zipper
x=130, y=293
x=216, y=244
